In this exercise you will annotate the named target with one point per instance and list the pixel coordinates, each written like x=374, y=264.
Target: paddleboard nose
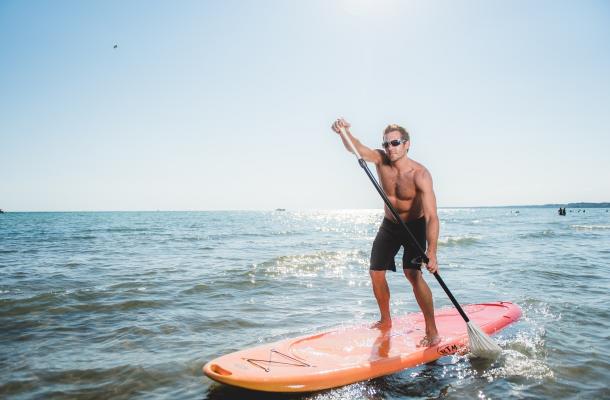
x=214, y=370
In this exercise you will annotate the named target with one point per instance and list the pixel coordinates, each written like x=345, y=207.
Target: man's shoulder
x=384, y=157
x=417, y=166
x=420, y=171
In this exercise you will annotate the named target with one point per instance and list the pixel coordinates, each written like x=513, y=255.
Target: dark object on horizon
x=115, y=46
x=280, y=209
x=562, y=211
x=1, y=212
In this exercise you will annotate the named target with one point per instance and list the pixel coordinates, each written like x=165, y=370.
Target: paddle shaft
x=401, y=222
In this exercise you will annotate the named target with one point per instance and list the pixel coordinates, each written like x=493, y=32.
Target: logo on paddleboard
x=447, y=349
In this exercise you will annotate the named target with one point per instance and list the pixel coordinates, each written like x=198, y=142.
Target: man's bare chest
x=398, y=183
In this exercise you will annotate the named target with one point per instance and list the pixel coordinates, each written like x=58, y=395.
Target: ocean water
x=131, y=305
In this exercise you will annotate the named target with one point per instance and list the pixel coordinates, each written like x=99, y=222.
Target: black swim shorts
x=390, y=237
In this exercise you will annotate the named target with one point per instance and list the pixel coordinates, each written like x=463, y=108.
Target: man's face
x=395, y=152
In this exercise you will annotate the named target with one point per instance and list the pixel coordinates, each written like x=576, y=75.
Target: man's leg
x=423, y=295
x=382, y=294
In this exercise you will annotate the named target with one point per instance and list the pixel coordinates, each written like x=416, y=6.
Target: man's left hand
x=432, y=265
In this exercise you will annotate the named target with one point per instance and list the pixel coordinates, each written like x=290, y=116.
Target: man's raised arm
x=366, y=153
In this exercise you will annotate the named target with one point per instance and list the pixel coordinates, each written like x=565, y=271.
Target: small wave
x=134, y=331
x=590, y=227
x=128, y=229
x=8, y=251
x=121, y=306
x=548, y=233
x=456, y=210
x=513, y=364
x=83, y=237
x=232, y=322
x=126, y=285
x=30, y=251
x=242, y=235
x=124, y=381
x=459, y=240
x=72, y=264
x=198, y=288
x=187, y=239
x=13, y=307
x=335, y=264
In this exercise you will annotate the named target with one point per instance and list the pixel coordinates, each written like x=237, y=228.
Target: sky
x=227, y=105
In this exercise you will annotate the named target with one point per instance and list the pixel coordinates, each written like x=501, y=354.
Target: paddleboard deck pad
x=354, y=353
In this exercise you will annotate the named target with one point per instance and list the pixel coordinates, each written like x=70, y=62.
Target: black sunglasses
x=394, y=143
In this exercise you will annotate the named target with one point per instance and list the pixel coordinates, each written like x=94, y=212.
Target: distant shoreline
x=567, y=205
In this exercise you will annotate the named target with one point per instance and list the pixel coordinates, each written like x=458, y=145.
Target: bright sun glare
x=369, y=7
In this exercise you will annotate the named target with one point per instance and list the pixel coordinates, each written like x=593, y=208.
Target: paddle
x=481, y=345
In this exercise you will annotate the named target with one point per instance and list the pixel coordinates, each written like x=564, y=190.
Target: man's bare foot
x=429, y=341
x=382, y=324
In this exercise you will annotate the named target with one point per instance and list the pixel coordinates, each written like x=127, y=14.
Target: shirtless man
x=408, y=185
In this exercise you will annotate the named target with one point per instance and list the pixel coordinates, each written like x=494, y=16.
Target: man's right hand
x=367, y=154
x=340, y=123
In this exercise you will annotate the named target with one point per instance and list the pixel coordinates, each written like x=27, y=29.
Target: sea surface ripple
x=132, y=304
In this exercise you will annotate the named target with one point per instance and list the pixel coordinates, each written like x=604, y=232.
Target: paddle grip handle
x=346, y=137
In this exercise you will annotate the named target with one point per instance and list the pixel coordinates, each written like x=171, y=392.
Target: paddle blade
x=481, y=345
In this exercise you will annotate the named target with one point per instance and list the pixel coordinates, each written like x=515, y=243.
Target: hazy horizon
x=549, y=205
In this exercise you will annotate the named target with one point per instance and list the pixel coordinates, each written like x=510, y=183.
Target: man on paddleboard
x=408, y=185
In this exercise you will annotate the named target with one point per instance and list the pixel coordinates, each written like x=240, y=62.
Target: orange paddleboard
x=351, y=354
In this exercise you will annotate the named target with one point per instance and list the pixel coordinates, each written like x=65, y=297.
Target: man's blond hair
x=393, y=127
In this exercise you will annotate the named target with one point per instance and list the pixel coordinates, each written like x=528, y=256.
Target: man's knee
x=377, y=276
x=413, y=275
